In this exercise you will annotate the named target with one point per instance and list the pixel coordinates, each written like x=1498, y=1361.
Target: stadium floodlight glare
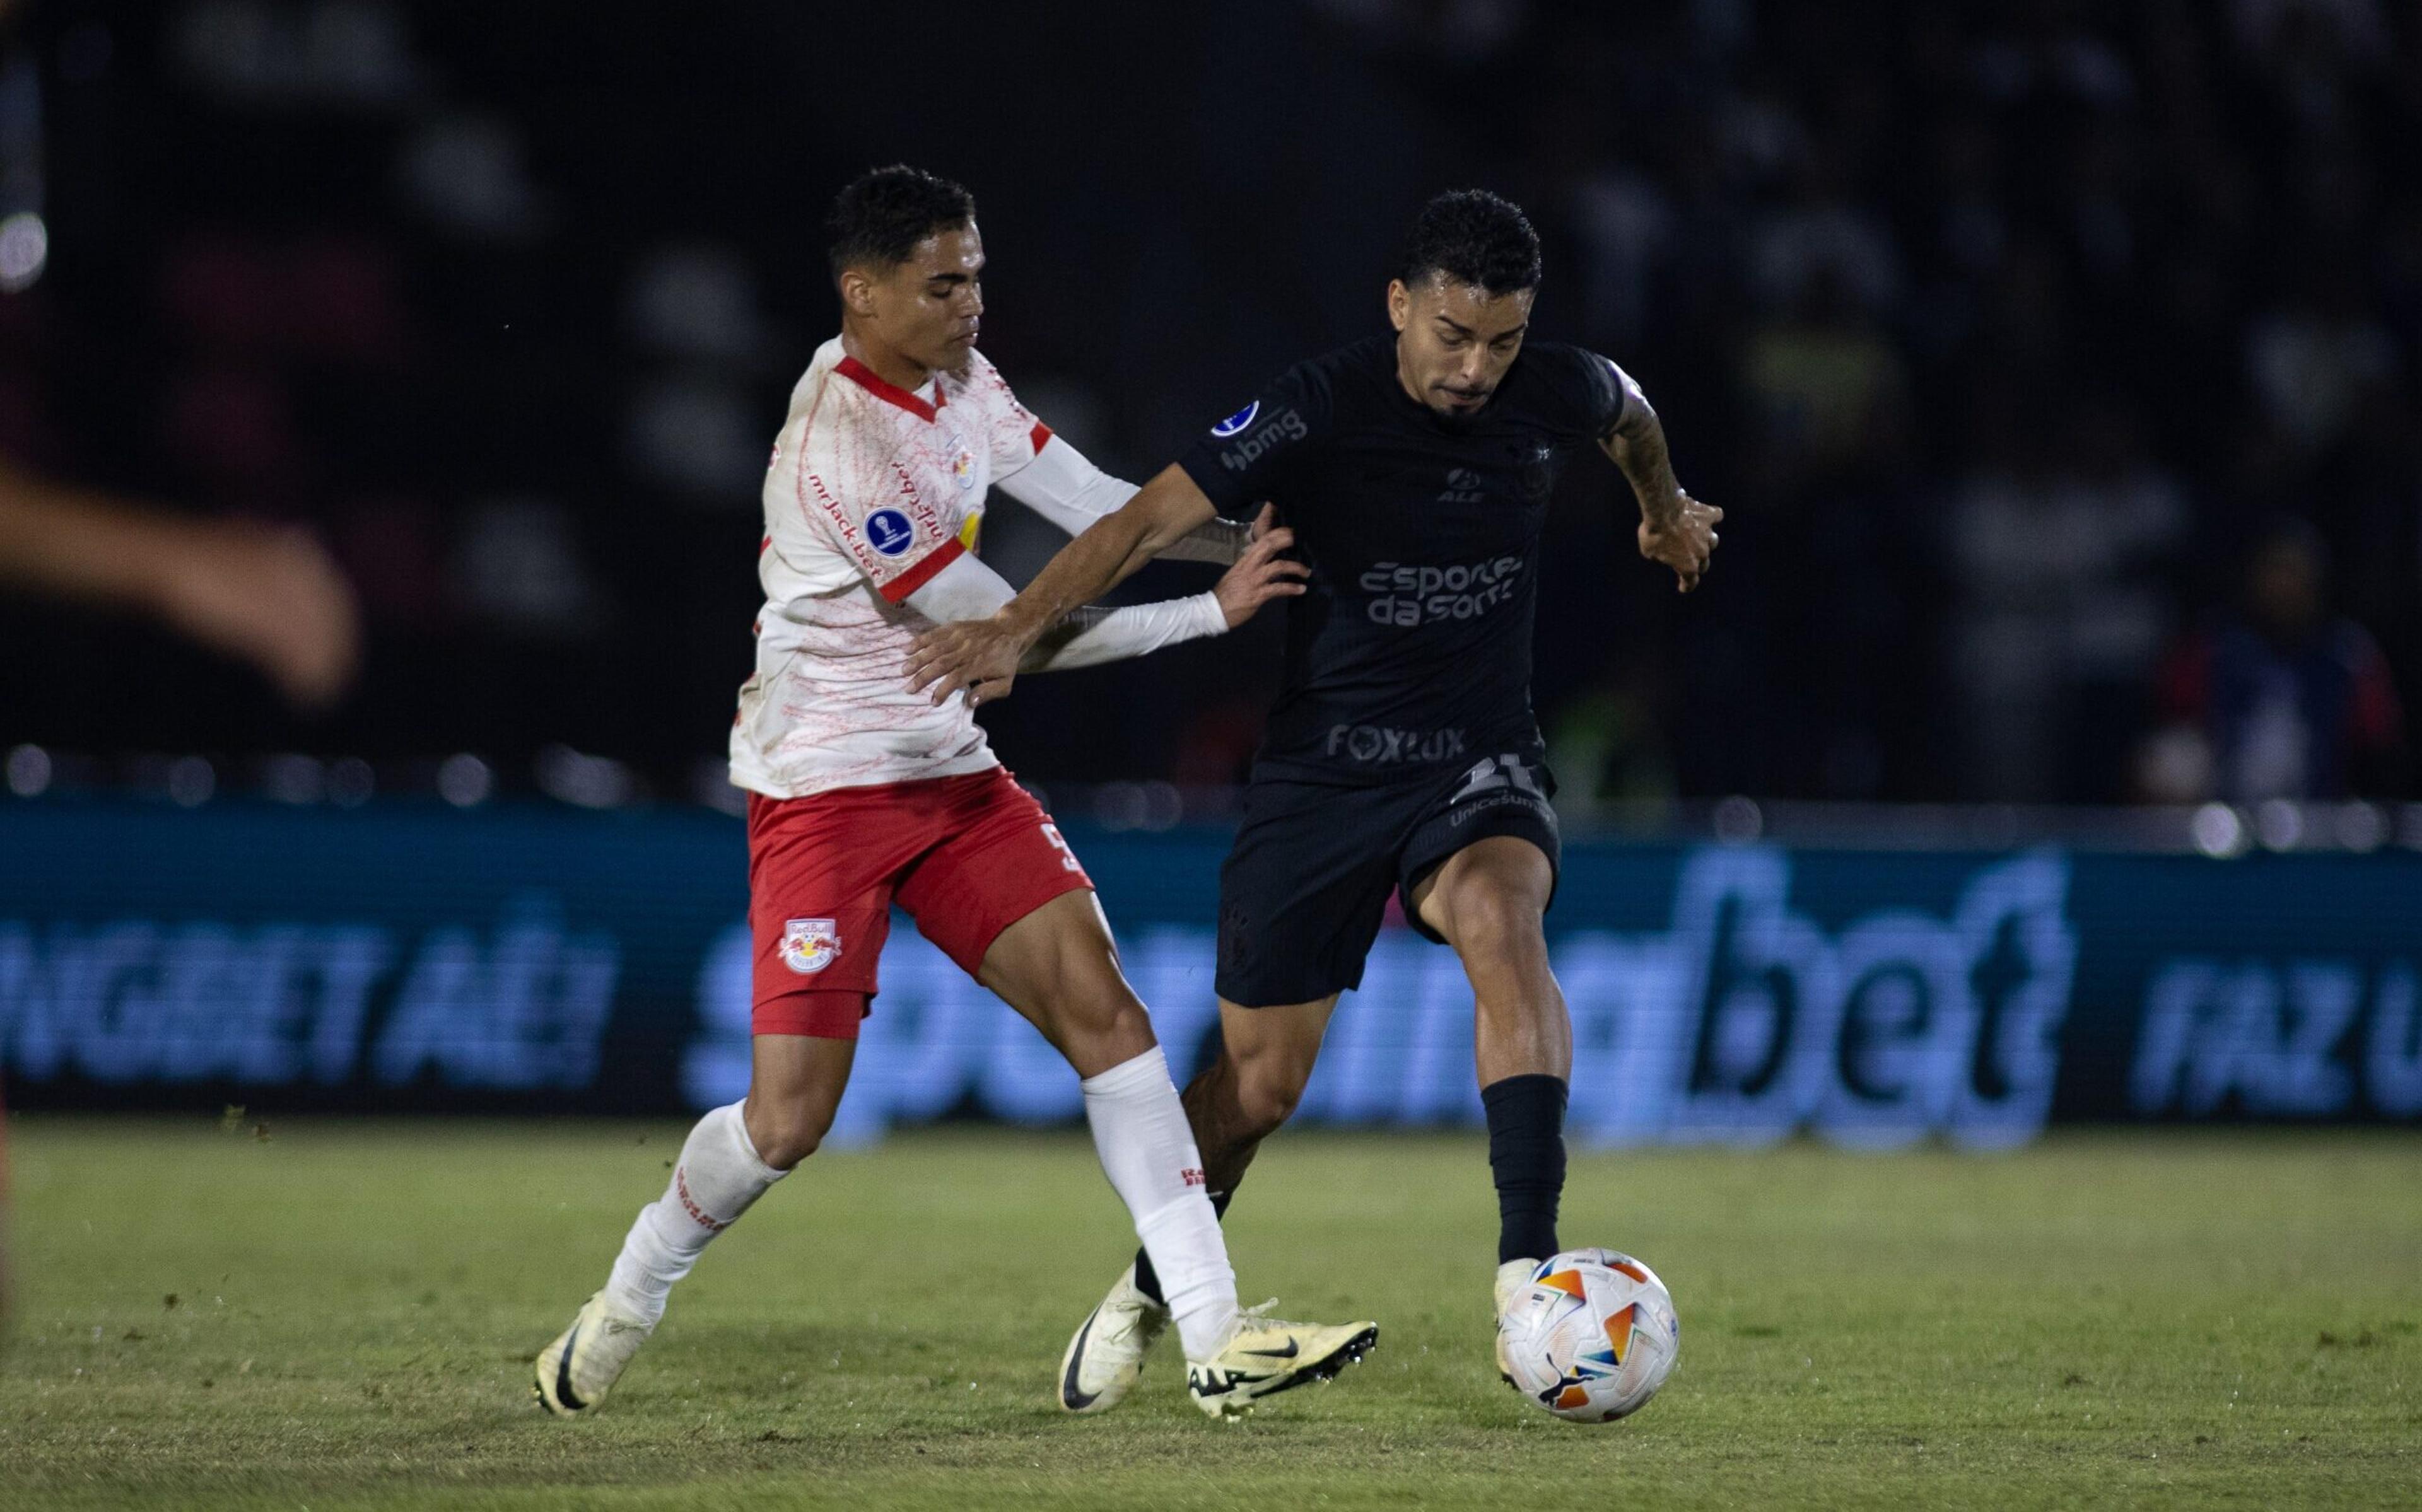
x=2218, y=831
x=465, y=781
x=2361, y=827
x=24, y=251
x=570, y=776
x=294, y=778
x=1739, y=820
x=30, y=771
x=192, y=780
x=1138, y=806
x=351, y=782
x=2280, y=823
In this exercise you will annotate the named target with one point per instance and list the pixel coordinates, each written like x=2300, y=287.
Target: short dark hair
x=1473, y=236
x=878, y=220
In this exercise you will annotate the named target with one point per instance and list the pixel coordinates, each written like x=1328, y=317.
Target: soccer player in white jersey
x=863, y=794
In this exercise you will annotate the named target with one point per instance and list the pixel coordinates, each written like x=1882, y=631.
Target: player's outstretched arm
x=1063, y=486
x=1098, y=632
x=967, y=590
x=1217, y=540
x=1675, y=528
x=969, y=653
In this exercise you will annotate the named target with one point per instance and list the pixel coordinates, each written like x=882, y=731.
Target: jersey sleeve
x=1243, y=459
x=1064, y=488
x=874, y=515
x=1589, y=393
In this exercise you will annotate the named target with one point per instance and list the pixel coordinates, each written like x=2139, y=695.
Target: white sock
x=715, y=1179
x=1148, y=1153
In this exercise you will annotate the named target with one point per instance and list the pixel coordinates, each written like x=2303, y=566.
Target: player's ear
x=857, y=292
x=1400, y=304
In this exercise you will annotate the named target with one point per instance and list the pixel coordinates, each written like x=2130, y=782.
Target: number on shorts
x=1490, y=773
x=1067, y=857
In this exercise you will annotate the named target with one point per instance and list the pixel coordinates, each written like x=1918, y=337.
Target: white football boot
x=577, y=1371
x=1106, y=1358
x=1513, y=1278
x=1263, y=1356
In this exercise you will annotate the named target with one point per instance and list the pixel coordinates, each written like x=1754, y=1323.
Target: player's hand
x=966, y=654
x=1263, y=523
x=1686, y=543
x=1261, y=574
x=271, y=597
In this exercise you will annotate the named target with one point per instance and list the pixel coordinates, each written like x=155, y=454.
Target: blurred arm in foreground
x=271, y=597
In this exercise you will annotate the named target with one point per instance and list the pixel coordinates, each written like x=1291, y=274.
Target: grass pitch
x=343, y=1315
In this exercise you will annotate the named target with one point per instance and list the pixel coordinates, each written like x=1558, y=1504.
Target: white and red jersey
x=873, y=489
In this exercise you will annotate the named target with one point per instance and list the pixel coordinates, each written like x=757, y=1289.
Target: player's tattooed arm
x=1223, y=542
x=1067, y=489
x=1636, y=443
x=951, y=657
x=966, y=589
x=1675, y=528
x=1098, y=632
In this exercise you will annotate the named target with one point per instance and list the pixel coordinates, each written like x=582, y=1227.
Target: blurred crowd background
x=2058, y=364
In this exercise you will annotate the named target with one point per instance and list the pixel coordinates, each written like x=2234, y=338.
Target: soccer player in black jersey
x=1401, y=755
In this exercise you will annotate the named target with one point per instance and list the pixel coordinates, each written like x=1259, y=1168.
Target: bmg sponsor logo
x=1280, y=428
x=1406, y=596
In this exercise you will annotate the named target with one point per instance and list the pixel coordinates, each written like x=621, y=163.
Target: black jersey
x=1411, y=648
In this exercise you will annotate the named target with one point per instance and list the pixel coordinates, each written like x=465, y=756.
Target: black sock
x=1526, y=1153
x=1147, y=1279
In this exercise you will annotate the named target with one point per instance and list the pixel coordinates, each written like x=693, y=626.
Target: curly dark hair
x=1473, y=236
x=878, y=220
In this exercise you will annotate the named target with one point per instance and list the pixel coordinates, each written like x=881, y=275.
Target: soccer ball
x=1593, y=1337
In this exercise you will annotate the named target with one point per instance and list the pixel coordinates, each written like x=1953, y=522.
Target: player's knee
x=1112, y=1011
x=787, y=1148
x=787, y=1133
x=1496, y=925
x=1100, y=1020
x=1267, y=1089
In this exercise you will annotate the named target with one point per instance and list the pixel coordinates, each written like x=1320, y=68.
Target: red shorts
x=966, y=856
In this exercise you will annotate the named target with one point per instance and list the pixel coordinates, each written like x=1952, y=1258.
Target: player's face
x=927, y=308
x=1455, y=341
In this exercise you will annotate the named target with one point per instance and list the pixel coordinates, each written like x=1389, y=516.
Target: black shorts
x=1305, y=886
